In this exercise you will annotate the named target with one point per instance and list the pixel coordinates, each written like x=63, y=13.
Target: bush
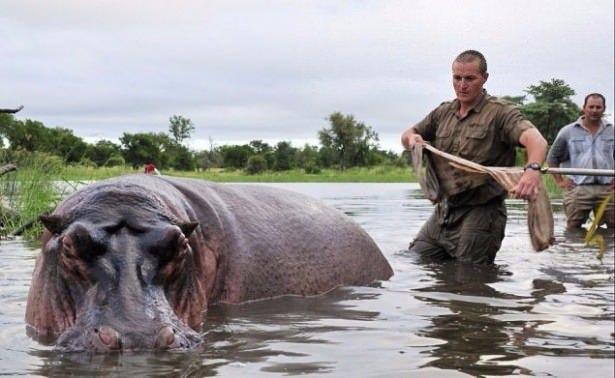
x=256, y=164
x=312, y=169
x=85, y=162
x=114, y=161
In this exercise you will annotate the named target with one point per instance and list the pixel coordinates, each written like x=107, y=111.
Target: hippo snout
x=104, y=339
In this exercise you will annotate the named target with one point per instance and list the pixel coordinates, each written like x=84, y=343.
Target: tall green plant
x=29, y=192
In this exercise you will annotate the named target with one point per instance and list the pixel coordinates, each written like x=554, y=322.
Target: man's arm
x=536, y=147
x=424, y=130
x=558, y=153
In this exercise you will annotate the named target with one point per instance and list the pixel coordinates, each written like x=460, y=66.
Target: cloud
x=275, y=70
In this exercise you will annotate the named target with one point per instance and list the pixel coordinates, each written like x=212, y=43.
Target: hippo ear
x=188, y=227
x=54, y=223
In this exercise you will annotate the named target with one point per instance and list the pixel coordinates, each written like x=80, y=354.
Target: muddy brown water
x=541, y=314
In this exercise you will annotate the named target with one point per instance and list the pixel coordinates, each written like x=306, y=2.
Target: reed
x=28, y=192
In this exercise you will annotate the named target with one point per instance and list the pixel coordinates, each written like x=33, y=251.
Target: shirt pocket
x=474, y=142
x=578, y=145
x=443, y=137
x=608, y=145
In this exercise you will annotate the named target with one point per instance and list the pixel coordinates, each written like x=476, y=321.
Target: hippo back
x=277, y=242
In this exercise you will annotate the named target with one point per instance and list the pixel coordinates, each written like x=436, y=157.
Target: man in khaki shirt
x=468, y=225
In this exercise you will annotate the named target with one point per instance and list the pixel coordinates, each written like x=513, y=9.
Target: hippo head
x=120, y=280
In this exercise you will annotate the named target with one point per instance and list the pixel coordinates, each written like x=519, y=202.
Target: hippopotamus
x=132, y=263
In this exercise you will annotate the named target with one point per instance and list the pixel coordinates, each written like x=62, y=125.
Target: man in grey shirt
x=589, y=142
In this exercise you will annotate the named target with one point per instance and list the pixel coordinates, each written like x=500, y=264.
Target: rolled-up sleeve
x=428, y=126
x=514, y=124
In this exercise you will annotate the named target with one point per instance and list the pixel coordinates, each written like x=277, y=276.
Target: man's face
x=593, y=109
x=468, y=81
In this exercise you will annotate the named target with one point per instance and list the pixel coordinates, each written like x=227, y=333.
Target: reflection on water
x=546, y=314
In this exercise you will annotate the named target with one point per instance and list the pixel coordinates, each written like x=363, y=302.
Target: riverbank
x=31, y=192
x=384, y=174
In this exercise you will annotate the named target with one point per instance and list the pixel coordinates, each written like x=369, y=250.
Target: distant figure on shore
x=150, y=169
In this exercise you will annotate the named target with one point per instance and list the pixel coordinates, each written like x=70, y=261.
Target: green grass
x=552, y=188
x=358, y=174
x=87, y=173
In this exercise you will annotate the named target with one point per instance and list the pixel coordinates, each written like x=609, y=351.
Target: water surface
x=543, y=314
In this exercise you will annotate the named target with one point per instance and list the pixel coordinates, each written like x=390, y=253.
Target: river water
x=541, y=314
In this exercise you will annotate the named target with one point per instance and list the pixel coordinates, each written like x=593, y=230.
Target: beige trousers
x=580, y=201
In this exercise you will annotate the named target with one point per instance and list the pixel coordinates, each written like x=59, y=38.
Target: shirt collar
x=603, y=124
x=476, y=108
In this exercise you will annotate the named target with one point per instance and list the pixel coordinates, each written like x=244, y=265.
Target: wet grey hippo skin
x=132, y=263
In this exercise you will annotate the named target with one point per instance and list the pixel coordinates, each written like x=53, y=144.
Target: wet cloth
x=540, y=215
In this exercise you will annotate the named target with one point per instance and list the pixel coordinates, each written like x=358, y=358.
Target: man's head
x=594, y=107
x=469, y=76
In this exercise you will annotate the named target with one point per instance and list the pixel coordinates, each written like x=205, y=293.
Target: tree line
x=345, y=143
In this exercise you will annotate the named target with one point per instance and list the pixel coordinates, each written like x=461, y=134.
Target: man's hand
x=566, y=184
x=410, y=138
x=563, y=182
x=527, y=188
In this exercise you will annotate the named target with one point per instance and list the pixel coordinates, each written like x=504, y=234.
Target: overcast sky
x=274, y=70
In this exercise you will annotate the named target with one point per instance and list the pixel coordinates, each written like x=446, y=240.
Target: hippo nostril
x=165, y=338
x=109, y=337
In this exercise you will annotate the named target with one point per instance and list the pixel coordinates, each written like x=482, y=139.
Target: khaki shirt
x=487, y=135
